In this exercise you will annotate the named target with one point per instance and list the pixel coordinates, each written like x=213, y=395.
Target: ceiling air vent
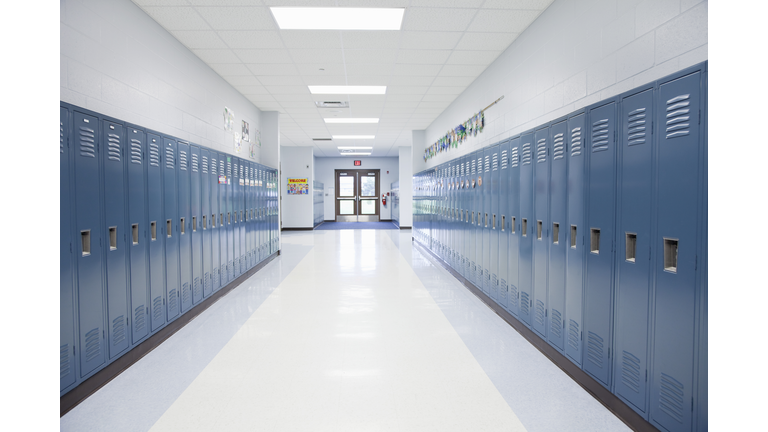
x=321, y=139
x=332, y=104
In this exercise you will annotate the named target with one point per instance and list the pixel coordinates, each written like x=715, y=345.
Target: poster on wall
x=229, y=119
x=298, y=186
x=238, y=143
x=246, y=133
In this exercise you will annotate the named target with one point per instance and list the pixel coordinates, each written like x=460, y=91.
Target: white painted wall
x=576, y=53
x=326, y=166
x=296, y=162
x=405, y=162
x=118, y=61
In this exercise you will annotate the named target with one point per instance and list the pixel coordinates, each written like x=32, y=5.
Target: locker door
x=241, y=223
x=170, y=230
x=540, y=230
x=503, y=223
x=215, y=221
x=235, y=200
x=207, y=222
x=247, y=216
x=225, y=169
x=136, y=229
x=634, y=248
x=185, y=227
x=678, y=172
x=67, y=359
x=196, y=224
x=480, y=181
x=474, y=203
x=156, y=237
x=251, y=217
x=493, y=224
x=558, y=236
x=513, y=249
x=575, y=253
x=600, y=218
x=527, y=229
x=90, y=283
x=459, y=223
x=467, y=225
x=261, y=237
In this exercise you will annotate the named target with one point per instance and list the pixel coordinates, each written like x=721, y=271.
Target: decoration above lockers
x=470, y=128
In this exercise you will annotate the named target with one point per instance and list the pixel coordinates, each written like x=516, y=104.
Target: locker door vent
x=135, y=151
x=487, y=164
x=527, y=154
x=473, y=168
x=573, y=335
x=61, y=137
x=678, y=116
x=196, y=287
x=87, y=142
x=213, y=166
x=595, y=349
x=139, y=318
x=92, y=344
x=63, y=361
x=170, y=158
x=515, y=157
x=207, y=281
x=504, y=159
x=495, y=162
x=600, y=136
x=630, y=371
x=221, y=167
x=195, y=165
x=541, y=150
x=575, y=141
x=671, y=394
x=154, y=155
x=205, y=164
x=113, y=147
x=182, y=160
x=525, y=304
x=558, y=151
x=173, y=300
x=540, y=312
x=118, y=330
x=556, y=324
x=185, y=292
x=157, y=308
x=229, y=169
x=512, y=294
x=636, y=128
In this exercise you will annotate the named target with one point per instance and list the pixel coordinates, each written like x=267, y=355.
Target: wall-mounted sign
x=298, y=186
x=357, y=163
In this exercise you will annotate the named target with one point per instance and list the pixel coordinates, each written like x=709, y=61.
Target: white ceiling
x=442, y=47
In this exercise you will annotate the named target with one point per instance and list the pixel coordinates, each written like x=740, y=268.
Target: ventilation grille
x=512, y=294
x=157, y=308
x=600, y=136
x=113, y=147
x=575, y=141
x=195, y=164
x=213, y=166
x=678, y=116
x=205, y=164
x=556, y=324
x=173, y=300
x=154, y=155
x=541, y=150
x=558, y=147
x=636, y=127
x=540, y=310
x=118, y=330
x=61, y=137
x=487, y=164
x=671, y=397
x=196, y=287
x=221, y=167
x=92, y=344
x=526, y=154
x=87, y=142
x=170, y=158
x=182, y=160
x=139, y=319
x=525, y=303
x=135, y=151
x=63, y=361
x=595, y=349
x=630, y=371
x=573, y=335
x=515, y=157
x=185, y=293
x=473, y=168
x=495, y=162
x=241, y=170
x=207, y=282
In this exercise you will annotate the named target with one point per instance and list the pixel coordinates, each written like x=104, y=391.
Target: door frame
x=357, y=217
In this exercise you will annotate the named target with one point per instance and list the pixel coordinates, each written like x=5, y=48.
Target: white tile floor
x=345, y=331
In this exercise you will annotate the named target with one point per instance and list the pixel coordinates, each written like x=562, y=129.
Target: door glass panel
x=346, y=186
x=367, y=186
x=347, y=207
x=367, y=207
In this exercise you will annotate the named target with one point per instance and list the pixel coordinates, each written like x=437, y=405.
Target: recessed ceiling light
x=338, y=18
x=370, y=90
x=354, y=148
x=351, y=120
x=356, y=154
x=353, y=136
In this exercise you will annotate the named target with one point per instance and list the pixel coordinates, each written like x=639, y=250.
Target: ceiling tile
x=435, y=19
x=507, y=21
x=403, y=104
x=403, y=97
x=448, y=3
x=304, y=39
x=446, y=90
x=216, y=56
x=242, y=80
x=453, y=81
x=352, y=56
x=423, y=56
x=411, y=80
x=220, y=2
x=473, y=57
x=439, y=97
x=329, y=69
x=238, y=18
x=251, y=89
x=199, y=39
x=316, y=56
x=429, y=40
x=272, y=69
x=263, y=56
x=462, y=70
x=407, y=89
x=294, y=97
x=251, y=39
x=416, y=70
x=257, y=99
x=369, y=69
x=297, y=104
x=370, y=39
x=517, y=4
x=287, y=89
x=281, y=80
x=177, y=18
x=433, y=105
x=368, y=80
x=229, y=69
x=486, y=41
x=324, y=80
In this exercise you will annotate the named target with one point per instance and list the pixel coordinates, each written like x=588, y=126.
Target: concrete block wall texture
x=576, y=53
x=118, y=61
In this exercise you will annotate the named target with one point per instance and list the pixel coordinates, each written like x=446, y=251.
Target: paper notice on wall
x=222, y=179
x=298, y=186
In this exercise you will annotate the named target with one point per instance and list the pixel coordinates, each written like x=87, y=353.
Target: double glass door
x=357, y=195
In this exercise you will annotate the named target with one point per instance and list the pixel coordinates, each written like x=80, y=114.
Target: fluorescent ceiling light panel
x=323, y=89
x=355, y=148
x=355, y=154
x=354, y=136
x=338, y=18
x=351, y=120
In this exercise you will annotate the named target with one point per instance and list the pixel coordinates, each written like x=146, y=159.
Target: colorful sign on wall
x=298, y=186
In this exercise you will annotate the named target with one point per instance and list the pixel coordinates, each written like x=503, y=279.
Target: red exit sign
x=357, y=163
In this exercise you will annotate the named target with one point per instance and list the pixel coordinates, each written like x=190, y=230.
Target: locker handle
x=630, y=247
x=113, y=238
x=153, y=230
x=85, y=239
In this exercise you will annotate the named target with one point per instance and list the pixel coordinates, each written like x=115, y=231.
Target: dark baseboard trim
x=297, y=229
x=330, y=220
x=385, y=220
x=88, y=387
x=605, y=397
x=405, y=227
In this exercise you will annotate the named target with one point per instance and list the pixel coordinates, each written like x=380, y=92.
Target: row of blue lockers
x=150, y=227
x=592, y=231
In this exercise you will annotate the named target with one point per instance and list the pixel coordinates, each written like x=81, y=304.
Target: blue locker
x=493, y=224
x=242, y=218
x=137, y=234
x=473, y=204
x=236, y=222
x=467, y=226
x=231, y=218
x=90, y=278
x=598, y=293
x=527, y=230
x=155, y=209
x=216, y=221
x=67, y=358
x=264, y=222
x=513, y=249
x=634, y=220
x=196, y=223
x=503, y=223
x=185, y=226
x=541, y=230
x=247, y=215
x=251, y=215
x=478, y=192
x=208, y=219
x=259, y=238
x=676, y=248
x=484, y=184
x=576, y=251
x=558, y=181
x=225, y=240
x=171, y=228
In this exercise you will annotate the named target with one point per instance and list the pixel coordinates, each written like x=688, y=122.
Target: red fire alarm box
x=357, y=163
